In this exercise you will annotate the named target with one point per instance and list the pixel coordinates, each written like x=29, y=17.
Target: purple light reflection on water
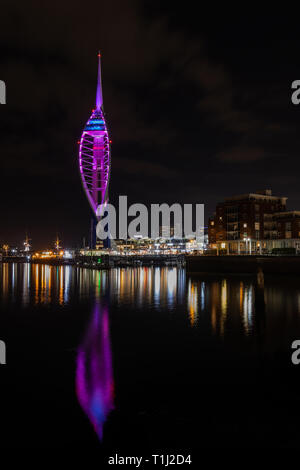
x=94, y=373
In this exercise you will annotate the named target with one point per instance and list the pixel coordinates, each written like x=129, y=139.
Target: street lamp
x=249, y=240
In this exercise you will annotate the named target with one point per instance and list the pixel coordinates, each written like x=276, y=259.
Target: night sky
x=198, y=106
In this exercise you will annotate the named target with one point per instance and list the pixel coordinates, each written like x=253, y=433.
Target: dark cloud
x=242, y=154
x=138, y=167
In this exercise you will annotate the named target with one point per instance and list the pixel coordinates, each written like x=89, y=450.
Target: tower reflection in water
x=94, y=372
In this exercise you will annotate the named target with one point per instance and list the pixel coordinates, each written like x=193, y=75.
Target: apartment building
x=254, y=223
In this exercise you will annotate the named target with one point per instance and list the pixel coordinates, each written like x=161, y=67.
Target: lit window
x=245, y=225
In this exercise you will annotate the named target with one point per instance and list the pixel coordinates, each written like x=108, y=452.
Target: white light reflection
x=26, y=283
x=248, y=309
x=172, y=285
x=157, y=286
x=68, y=271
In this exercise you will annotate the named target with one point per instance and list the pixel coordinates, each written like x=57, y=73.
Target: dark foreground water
x=147, y=360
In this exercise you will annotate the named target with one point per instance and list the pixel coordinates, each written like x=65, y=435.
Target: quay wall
x=243, y=264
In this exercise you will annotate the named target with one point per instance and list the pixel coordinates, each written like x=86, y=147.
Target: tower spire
x=99, y=100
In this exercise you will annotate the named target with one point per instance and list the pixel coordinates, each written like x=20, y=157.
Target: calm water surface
x=147, y=359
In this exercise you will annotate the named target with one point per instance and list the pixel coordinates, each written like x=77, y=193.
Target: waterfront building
x=254, y=223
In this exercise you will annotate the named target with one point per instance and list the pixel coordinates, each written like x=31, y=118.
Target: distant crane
x=26, y=243
x=57, y=244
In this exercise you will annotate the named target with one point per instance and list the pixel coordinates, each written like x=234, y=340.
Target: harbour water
x=147, y=359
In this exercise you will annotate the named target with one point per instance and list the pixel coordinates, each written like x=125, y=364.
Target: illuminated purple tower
x=94, y=155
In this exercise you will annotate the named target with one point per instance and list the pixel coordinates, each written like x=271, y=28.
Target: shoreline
x=194, y=264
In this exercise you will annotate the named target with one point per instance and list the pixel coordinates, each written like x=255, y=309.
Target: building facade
x=254, y=223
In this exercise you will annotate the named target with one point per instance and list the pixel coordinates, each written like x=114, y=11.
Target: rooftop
x=265, y=194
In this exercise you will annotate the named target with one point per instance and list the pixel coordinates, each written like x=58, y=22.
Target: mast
x=99, y=99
